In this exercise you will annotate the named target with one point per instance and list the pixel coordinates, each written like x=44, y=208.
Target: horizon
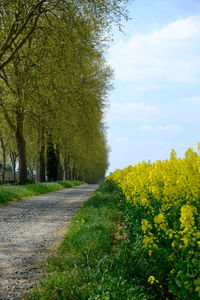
x=156, y=100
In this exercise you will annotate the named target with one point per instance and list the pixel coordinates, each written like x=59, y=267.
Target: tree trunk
x=60, y=169
x=70, y=173
x=3, y=147
x=52, y=162
x=42, y=168
x=21, y=149
x=13, y=158
x=4, y=164
x=73, y=172
x=65, y=168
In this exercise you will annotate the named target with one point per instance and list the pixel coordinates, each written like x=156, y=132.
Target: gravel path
x=27, y=229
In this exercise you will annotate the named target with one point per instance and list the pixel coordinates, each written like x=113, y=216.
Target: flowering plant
x=166, y=196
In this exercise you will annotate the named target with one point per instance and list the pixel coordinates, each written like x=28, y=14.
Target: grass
x=9, y=193
x=96, y=260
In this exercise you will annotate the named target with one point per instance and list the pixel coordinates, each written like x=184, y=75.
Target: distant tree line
x=54, y=83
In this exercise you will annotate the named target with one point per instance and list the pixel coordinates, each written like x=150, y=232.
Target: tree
x=21, y=19
x=54, y=82
x=52, y=162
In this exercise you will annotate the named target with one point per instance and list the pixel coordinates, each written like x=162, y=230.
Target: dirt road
x=27, y=229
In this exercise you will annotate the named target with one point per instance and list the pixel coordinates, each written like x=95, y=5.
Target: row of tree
x=53, y=87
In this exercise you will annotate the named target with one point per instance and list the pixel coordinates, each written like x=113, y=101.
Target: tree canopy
x=54, y=83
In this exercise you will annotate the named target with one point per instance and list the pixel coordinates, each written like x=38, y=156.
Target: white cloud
x=160, y=128
x=171, y=54
x=130, y=111
x=193, y=100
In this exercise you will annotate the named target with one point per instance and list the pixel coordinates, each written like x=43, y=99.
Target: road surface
x=27, y=229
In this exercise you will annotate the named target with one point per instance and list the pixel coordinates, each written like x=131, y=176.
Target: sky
x=155, y=104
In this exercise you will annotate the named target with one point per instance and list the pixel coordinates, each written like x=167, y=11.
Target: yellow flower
x=149, y=241
x=187, y=216
x=197, y=284
x=170, y=187
x=160, y=221
x=145, y=225
x=152, y=279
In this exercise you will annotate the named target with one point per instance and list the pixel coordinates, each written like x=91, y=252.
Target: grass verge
x=95, y=260
x=11, y=192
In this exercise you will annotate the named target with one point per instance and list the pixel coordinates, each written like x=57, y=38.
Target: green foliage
x=54, y=82
x=162, y=205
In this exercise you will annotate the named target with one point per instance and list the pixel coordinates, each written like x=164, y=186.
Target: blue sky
x=155, y=104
